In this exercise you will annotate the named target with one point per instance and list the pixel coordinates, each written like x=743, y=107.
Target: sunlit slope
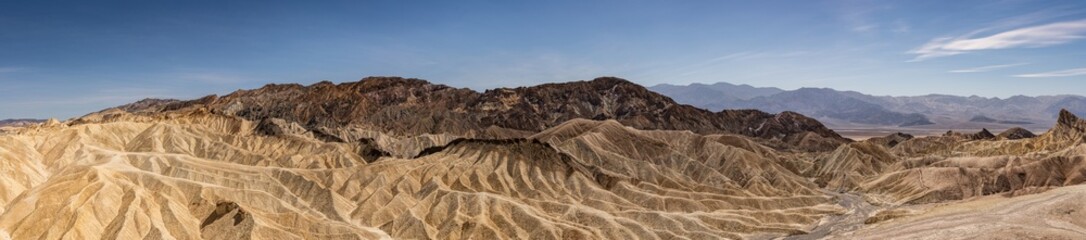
x=206, y=176
x=1054, y=214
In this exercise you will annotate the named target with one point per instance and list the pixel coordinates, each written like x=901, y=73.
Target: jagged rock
x=1069, y=120
x=983, y=134
x=1016, y=133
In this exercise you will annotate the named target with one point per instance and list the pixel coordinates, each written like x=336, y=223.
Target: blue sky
x=64, y=59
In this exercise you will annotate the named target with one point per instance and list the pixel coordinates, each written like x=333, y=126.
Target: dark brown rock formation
x=408, y=107
x=1016, y=133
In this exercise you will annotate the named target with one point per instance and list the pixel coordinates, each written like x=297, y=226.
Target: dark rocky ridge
x=1069, y=120
x=148, y=103
x=1016, y=133
x=1069, y=128
x=409, y=107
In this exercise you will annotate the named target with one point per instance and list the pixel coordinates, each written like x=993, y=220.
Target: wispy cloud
x=987, y=68
x=1028, y=37
x=1061, y=73
x=10, y=69
x=866, y=27
x=857, y=15
x=752, y=55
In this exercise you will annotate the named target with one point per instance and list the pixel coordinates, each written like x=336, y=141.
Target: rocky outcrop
x=1069, y=122
x=146, y=105
x=983, y=134
x=1016, y=133
x=1069, y=131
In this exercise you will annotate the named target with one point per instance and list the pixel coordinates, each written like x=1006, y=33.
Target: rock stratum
x=393, y=158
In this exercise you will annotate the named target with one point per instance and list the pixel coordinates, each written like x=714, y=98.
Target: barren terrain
x=322, y=162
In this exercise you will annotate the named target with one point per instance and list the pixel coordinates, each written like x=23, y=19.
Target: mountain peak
x=323, y=83
x=612, y=81
x=383, y=81
x=1016, y=133
x=1070, y=123
x=984, y=133
x=600, y=83
x=1067, y=118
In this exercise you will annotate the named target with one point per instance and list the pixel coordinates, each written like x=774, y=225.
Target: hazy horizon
x=484, y=89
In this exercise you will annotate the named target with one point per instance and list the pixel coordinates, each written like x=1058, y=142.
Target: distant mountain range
x=715, y=96
x=19, y=122
x=850, y=108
